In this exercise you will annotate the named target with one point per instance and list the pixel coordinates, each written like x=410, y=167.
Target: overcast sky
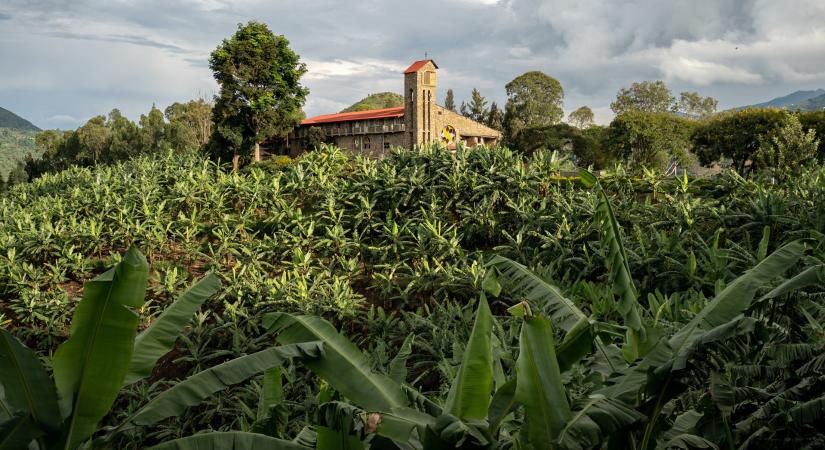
x=65, y=61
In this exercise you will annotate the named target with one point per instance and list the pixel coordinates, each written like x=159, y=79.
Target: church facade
x=419, y=122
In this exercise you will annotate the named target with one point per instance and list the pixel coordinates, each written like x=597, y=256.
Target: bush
x=651, y=139
x=736, y=135
x=583, y=146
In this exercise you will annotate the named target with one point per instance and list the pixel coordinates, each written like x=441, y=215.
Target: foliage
x=495, y=117
x=14, y=146
x=789, y=151
x=533, y=99
x=392, y=248
x=449, y=100
x=581, y=118
x=578, y=145
x=107, y=140
x=260, y=91
x=695, y=106
x=737, y=136
x=645, y=96
x=379, y=100
x=315, y=137
x=651, y=139
x=477, y=108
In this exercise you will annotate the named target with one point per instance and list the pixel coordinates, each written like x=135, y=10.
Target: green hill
x=813, y=104
x=377, y=101
x=14, y=146
x=9, y=119
x=799, y=100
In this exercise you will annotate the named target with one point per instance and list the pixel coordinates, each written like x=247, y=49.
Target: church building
x=419, y=122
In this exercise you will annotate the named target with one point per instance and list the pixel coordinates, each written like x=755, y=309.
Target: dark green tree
x=651, y=139
x=449, y=100
x=495, y=118
x=647, y=96
x=260, y=91
x=534, y=99
x=736, y=136
x=153, y=131
x=124, y=137
x=477, y=108
x=315, y=137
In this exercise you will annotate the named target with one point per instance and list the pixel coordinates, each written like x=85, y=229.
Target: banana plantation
x=474, y=299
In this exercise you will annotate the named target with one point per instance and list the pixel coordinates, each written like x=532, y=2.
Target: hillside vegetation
x=404, y=246
x=15, y=144
x=377, y=101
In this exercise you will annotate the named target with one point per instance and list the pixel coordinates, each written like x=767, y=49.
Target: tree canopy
x=449, y=100
x=647, y=96
x=477, y=108
x=533, y=99
x=581, y=118
x=260, y=90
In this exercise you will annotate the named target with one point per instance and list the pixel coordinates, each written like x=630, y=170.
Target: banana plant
x=103, y=354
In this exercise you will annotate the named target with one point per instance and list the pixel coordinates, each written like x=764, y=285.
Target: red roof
x=419, y=64
x=386, y=113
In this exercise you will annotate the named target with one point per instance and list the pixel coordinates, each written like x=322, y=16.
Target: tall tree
x=495, y=118
x=92, y=140
x=153, y=131
x=477, y=108
x=190, y=124
x=581, y=118
x=694, y=105
x=533, y=99
x=449, y=100
x=260, y=90
x=648, y=96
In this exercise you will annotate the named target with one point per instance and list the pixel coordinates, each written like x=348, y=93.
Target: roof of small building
x=386, y=113
x=419, y=64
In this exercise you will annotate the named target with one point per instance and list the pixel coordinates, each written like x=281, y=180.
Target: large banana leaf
x=17, y=432
x=26, y=384
x=342, y=365
x=160, y=337
x=812, y=276
x=398, y=366
x=619, y=270
x=232, y=440
x=594, y=420
x=734, y=299
x=89, y=368
x=520, y=281
x=470, y=392
x=198, y=387
x=538, y=384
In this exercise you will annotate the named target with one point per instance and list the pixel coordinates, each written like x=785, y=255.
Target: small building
x=419, y=122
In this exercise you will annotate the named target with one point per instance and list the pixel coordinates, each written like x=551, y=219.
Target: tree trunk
x=257, y=151
x=236, y=162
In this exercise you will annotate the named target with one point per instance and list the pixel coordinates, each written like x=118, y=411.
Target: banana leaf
x=90, y=367
x=17, y=432
x=200, y=386
x=26, y=384
x=734, y=299
x=538, y=384
x=469, y=396
x=160, y=337
x=231, y=440
x=342, y=365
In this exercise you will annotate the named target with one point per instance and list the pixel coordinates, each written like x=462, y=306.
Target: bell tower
x=419, y=102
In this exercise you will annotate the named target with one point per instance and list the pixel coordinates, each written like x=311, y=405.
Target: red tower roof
x=386, y=113
x=419, y=64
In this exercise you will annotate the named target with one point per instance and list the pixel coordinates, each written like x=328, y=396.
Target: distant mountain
x=380, y=100
x=9, y=119
x=802, y=100
x=813, y=104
